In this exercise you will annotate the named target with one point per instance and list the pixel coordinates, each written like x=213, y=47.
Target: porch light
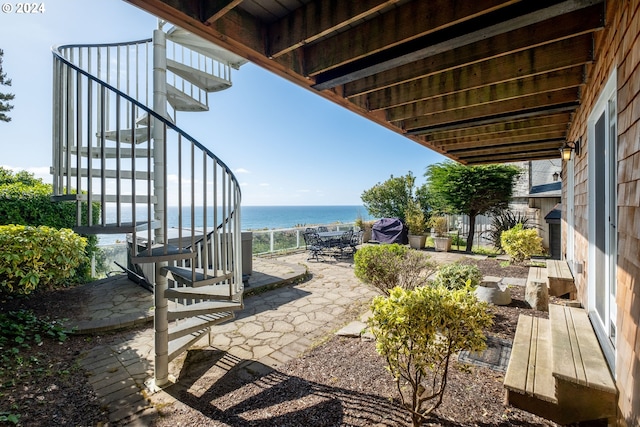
x=556, y=176
x=568, y=147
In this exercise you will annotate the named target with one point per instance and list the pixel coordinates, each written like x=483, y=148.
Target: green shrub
x=506, y=220
x=520, y=243
x=26, y=200
x=455, y=276
x=418, y=331
x=36, y=257
x=456, y=240
x=387, y=266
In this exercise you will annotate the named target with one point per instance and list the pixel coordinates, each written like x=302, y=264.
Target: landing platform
x=116, y=302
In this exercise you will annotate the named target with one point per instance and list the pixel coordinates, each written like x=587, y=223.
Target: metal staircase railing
x=116, y=154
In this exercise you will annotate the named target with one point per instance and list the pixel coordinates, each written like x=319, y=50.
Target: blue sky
x=287, y=145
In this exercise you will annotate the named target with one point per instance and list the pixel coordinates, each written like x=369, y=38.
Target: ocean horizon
x=256, y=218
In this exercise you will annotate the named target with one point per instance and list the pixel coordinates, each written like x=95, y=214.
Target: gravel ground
x=340, y=382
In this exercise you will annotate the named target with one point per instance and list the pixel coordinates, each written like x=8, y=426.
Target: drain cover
x=495, y=356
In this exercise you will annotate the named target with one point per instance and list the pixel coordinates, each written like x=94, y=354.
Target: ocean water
x=269, y=217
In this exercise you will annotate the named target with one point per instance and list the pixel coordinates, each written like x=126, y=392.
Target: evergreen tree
x=470, y=190
x=5, y=107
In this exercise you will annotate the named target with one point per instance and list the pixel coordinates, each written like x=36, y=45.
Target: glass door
x=603, y=219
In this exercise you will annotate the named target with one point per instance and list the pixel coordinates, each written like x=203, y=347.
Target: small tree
x=390, y=198
x=470, y=190
x=5, y=107
x=417, y=331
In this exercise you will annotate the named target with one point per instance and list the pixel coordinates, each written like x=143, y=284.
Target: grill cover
x=389, y=230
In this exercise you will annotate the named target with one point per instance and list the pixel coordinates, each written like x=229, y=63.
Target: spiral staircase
x=119, y=156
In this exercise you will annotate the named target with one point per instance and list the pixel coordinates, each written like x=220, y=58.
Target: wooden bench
x=536, y=290
x=560, y=279
x=557, y=369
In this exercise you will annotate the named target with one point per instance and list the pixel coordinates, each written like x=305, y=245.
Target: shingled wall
x=617, y=48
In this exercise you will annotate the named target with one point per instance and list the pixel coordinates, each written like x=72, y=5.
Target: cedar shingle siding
x=617, y=47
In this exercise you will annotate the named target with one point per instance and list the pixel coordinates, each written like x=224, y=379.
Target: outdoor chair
x=344, y=243
x=356, y=240
x=314, y=245
x=307, y=230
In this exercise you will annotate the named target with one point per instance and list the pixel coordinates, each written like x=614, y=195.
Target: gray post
x=161, y=324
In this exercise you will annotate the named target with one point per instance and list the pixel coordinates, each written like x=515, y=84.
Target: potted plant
x=415, y=222
x=442, y=239
x=366, y=227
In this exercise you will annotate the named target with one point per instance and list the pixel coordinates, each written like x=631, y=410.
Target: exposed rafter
x=485, y=81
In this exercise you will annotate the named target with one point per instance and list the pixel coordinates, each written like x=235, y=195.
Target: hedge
x=37, y=257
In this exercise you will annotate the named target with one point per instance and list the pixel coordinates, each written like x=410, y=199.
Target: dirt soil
x=340, y=382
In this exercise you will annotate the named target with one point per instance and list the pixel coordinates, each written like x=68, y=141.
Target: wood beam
x=566, y=26
x=568, y=78
x=513, y=157
x=490, y=141
x=318, y=19
x=544, y=59
x=541, y=110
x=524, y=125
x=497, y=109
x=393, y=28
x=483, y=150
x=216, y=9
x=501, y=21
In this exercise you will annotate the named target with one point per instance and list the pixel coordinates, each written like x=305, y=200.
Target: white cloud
x=241, y=170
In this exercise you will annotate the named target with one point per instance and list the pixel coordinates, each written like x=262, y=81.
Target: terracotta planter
x=442, y=244
x=417, y=241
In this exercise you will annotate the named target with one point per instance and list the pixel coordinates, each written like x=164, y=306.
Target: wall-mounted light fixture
x=557, y=175
x=568, y=147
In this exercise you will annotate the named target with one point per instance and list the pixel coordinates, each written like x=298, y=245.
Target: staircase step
x=210, y=292
x=140, y=135
x=529, y=370
x=577, y=357
x=197, y=324
x=162, y=253
x=180, y=345
x=199, y=78
x=108, y=173
x=112, y=153
x=144, y=120
x=198, y=309
x=114, y=228
x=183, y=102
x=204, y=47
x=184, y=276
